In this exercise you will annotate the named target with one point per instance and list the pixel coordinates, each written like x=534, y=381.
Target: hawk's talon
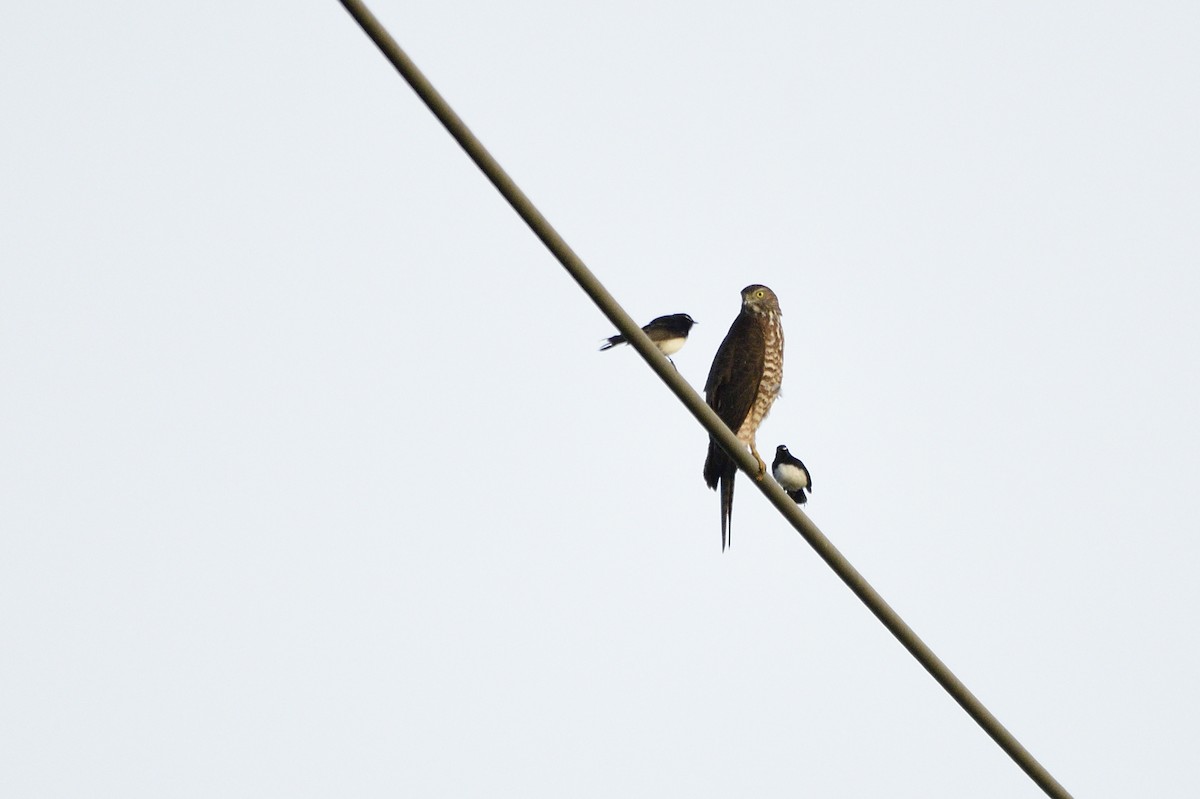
x=762, y=465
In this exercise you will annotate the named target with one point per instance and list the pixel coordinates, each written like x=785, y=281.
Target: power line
x=695, y=404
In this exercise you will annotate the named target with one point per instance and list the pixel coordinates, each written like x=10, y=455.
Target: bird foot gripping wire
x=762, y=465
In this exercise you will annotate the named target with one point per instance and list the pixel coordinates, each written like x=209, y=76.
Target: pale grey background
x=315, y=485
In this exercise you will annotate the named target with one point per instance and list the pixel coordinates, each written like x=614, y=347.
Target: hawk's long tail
x=719, y=469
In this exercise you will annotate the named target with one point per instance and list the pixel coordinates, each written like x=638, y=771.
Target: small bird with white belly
x=669, y=334
x=791, y=473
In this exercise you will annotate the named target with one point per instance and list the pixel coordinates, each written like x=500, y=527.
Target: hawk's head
x=760, y=300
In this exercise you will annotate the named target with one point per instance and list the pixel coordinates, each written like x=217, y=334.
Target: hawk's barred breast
x=772, y=378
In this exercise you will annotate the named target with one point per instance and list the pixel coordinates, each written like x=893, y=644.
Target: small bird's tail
x=611, y=342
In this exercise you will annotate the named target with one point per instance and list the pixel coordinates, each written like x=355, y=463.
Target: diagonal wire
x=693, y=402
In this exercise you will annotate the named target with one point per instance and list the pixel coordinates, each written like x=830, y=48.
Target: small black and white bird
x=669, y=333
x=792, y=474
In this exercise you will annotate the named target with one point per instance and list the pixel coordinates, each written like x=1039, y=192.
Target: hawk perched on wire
x=742, y=384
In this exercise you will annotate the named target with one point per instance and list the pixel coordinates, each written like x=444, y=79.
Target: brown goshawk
x=742, y=384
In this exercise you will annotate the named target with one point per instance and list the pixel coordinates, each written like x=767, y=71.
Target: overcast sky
x=314, y=483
